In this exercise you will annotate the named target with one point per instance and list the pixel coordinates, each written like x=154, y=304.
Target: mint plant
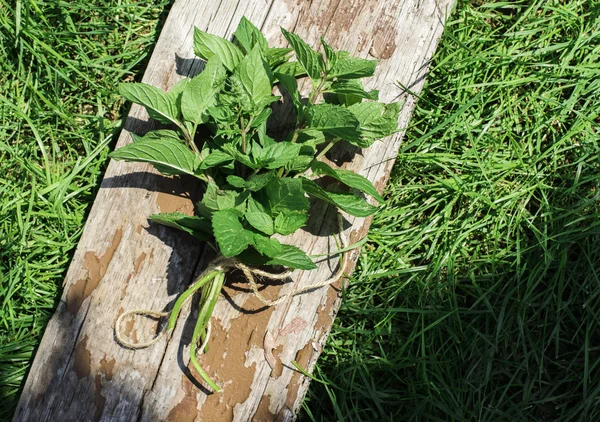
x=255, y=186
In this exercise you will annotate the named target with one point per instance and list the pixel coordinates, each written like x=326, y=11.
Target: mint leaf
x=278, y=154
x=288, y=222
x=160, y=106
x=348, y=202
x=291, y=86
x=349, y=178
x=201, y=92
x=330, y=54
x=216, y=199
x=333, y=120
x=157, y=135
x=215, y=158
x=351, y=92
x=231, y=236
x=277, y=56
x=352, y=68
x=267, y=246
x=293, y=257
x=168, y=156
x=285, y=195
x=248, y=35
x=253, y=184
x=293, y=69
x=253, y=74
x=198, y=227
x=377, y=120
x=260, y=221
x=208, y=45
x=311, y=61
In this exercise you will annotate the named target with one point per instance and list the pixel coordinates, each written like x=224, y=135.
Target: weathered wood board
x=123, y=262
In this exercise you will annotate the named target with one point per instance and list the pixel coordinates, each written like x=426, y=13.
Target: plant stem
x=181, y=300
x=326, y=149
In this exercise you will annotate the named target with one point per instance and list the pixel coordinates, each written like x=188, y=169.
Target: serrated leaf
x=201, y=92
x=352, y=68
x=248, y=35
x=253, y=73
x=236, y=181
x=289, y=222
x=293, y=257
x=291, y=86
x=208, y=45
x=278, y=154
x=262, y=117
x=198, y=227
x=333, y=120
x=215, y=158
x=259, y=181
x=293, y=69
x=277, y=56
x=260, y=221
x=377, y=120
x=351, y=92
x=311, y=61
x=160, y=106
x=231, y=236
x=285, y=195
x=349, y=178
x=347, y=202
x=267, y=246
x=216, y=199
x=168, y=156
x=157, y=135
x=330, y=54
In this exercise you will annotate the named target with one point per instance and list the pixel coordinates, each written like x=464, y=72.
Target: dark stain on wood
x=99, y=399
x=137, y=265
x=96, y=268
x=82, y=359
x=187, y=409
x=263, y=414
x=106, y=366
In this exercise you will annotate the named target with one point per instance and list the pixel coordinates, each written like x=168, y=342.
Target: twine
x=225, y=264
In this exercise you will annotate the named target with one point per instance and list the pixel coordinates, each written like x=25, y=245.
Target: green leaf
x=160, y=106
x=349, y=178
x=277, y=56
x=248, y=35
x=253, y=184
x=333, y=120
x=285, y=195
x=168, y=156
x=293, y=257
x=351, y=92
x=291, y=86
x=215, y=158
x=208, y=45
x=348, y=202
x=253, y=73
x=231, y=236
x=260, y=221
x=236, y=181
x=288, y=222
x=352, y=68
x=198, y=227
x=201, y=92
x=216, y=199
x=157, y=135
x=293, y=69
x=377, y=120
x=311, y=61
x=278, y=154
x=330, y=54
x=267, y=246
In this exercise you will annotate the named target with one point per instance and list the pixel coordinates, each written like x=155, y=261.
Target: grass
x=477, y=296
x=60, y=65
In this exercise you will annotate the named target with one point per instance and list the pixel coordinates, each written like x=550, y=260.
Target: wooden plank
x=123, y=262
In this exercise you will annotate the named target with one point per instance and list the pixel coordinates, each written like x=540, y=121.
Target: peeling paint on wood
x=123, y=261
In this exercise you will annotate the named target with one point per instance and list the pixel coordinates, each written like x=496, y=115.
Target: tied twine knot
x=224, y=264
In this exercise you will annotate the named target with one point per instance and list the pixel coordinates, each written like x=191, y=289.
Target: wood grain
x=123, y=262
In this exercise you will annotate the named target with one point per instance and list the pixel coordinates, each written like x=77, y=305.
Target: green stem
x=326, y=149
x=190, y=291
x=208, y=304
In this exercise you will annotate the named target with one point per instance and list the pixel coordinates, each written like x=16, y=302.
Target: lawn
x=476, y=297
